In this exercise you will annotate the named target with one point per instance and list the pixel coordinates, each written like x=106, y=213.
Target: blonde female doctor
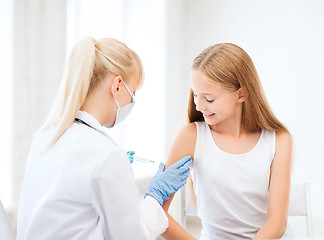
x=78, y=183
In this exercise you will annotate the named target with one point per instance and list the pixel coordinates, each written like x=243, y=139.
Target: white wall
x=39, y=55
x=285, y=41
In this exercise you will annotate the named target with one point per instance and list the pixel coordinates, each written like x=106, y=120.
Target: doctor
x=79, y=184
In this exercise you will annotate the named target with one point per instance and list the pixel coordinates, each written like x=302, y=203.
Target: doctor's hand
x=169, y=181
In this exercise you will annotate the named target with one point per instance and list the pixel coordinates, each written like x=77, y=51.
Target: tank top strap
x=268, y=143
x=202, y=140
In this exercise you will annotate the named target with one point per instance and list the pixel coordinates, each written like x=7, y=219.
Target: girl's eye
x=210, y=100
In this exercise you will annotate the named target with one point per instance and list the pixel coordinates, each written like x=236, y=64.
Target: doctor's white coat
x=83, y=187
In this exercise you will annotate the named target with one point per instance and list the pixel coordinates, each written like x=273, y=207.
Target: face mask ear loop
x=127, y=89
x=117, y=103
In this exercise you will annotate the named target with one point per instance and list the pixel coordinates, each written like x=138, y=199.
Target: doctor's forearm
x=175, y=231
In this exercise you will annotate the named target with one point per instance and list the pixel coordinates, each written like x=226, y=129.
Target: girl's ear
x=242, y=94
x=115, y=87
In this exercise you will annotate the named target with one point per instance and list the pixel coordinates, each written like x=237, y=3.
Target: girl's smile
x=206, y=116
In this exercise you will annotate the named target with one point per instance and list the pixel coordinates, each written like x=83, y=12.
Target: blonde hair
x=89, y=63
x=232, y=68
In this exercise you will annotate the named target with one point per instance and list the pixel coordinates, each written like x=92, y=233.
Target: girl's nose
x=200, y=106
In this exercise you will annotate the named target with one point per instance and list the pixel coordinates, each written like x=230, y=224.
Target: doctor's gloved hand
x=169, y=181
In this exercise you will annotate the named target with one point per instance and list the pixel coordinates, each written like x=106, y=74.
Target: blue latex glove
x=130, y=156
x=169, y=181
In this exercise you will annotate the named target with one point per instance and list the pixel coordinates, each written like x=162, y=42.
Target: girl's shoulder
x=284, y=136
x=187, y=135
x=284, y=142
x=184, y=144
x=189, y=130
x=283, y=152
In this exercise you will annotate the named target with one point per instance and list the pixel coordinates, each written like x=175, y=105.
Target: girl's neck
x=229, y=128
x=232, y=126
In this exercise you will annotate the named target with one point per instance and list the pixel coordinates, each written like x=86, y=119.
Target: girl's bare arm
x=279, y=188
x=183, y=145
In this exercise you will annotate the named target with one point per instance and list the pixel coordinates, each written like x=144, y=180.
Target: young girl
x=79, y=184
x=242, y=152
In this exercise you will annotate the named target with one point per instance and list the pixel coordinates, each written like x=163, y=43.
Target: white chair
x=186, y=206
x=6, y=232
x=299, y=205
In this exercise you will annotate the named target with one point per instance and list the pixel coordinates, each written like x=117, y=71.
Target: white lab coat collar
x=93, y=122
x=89, y=119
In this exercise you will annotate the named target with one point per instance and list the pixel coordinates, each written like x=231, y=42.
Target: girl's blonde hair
x=89, y=63
x=232, y=68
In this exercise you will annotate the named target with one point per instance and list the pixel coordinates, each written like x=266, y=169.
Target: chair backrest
x=299, y=205
x=6, y=232
x=187, y=205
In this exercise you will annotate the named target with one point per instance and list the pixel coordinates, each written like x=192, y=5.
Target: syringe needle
x=140, y=159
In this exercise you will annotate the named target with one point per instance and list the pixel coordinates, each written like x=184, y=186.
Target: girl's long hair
x=89, y=63
x=232, y=68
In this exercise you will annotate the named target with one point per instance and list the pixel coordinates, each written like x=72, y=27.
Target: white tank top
x=231, y=189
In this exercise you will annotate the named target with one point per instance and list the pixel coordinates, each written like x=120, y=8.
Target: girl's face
x=213, y=101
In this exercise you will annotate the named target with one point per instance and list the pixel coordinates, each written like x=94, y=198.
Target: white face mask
x=122, y=112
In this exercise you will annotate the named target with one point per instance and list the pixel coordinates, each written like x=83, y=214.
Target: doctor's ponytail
x=90, y=61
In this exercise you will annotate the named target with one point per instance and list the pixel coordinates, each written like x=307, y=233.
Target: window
x=127, y=21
